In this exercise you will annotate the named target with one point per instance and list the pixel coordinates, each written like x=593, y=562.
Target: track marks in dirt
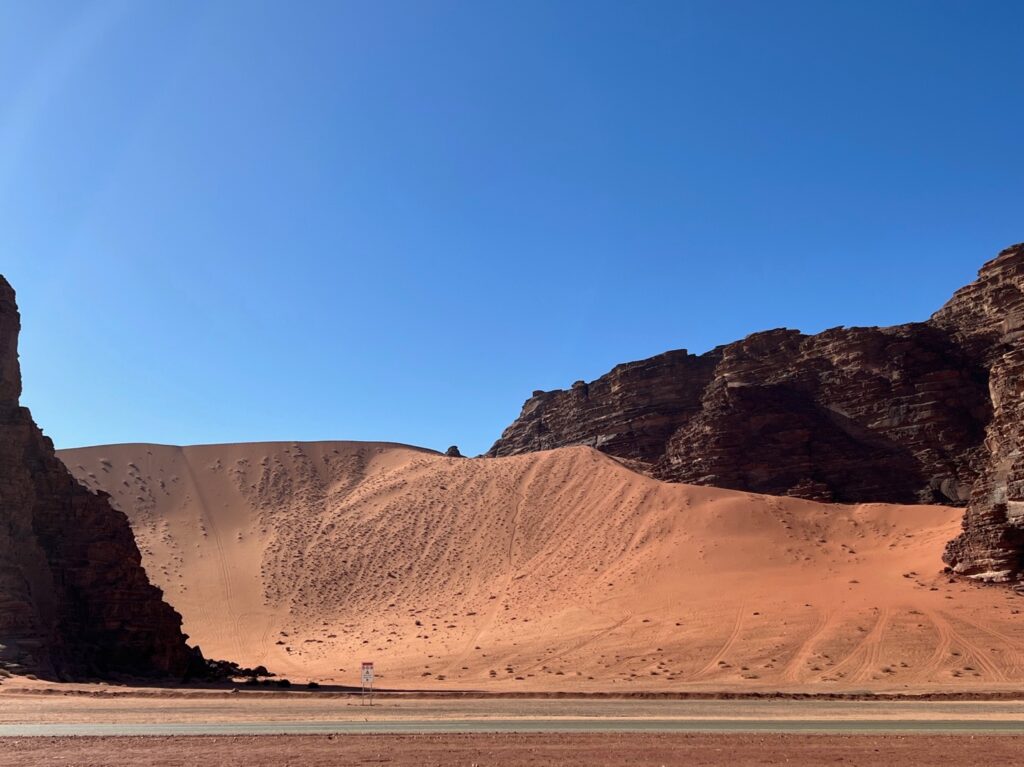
x=499, y=603
x=207, y=516
x=972, y=649
x=795, y=668
x=730, y=641
x=863, y=660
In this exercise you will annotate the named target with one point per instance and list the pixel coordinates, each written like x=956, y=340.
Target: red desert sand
x=657, y=750
x=560, y=570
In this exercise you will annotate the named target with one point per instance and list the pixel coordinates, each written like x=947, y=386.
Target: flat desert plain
x=559, y=570
x=597, y=750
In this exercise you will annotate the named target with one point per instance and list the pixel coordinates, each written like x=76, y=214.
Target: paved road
x=932, y=726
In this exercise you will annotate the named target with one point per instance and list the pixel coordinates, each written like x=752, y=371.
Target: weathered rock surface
x=74, y=598
x=851, y=414
x=928, y=412
x=987, y=319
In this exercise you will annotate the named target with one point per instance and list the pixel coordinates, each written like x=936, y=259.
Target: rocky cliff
x=927, y=412
x=74, y=599
x=986, y=318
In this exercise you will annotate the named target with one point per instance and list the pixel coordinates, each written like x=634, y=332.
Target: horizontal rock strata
x=926, y=412
x=987, y=319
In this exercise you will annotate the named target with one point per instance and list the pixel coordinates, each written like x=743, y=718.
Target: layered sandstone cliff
x=926, y=412
x=987, y=319
x=74, y=598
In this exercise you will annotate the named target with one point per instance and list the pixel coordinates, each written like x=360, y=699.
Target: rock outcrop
x=894, y=415
x=926, y=412
x=987, y=319
x=74, y=598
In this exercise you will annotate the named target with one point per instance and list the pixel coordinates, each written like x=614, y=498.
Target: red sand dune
x=553, y=570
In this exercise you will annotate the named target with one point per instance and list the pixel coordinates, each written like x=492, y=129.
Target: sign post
x=367, y=680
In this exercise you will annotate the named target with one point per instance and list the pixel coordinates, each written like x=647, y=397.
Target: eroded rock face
x=987, y=318
x=851, y=414
x=630, y=413
x=74, y=599
x=848, y=415
x=926, y=412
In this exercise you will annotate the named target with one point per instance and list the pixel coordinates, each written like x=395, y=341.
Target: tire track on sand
x=488, y=622
x=226, y=585
x=737, y=627
x=792, y=671
x=976, y=651
x=1013, y=642
x=873, y=649
x=580, y=644
x=941, y=653
x=869, y=647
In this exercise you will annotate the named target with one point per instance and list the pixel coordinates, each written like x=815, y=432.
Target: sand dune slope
x=554, y=570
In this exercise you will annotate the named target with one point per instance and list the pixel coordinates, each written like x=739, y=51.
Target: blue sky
x=394, y=220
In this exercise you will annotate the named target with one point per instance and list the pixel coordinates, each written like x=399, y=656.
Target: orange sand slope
x=555, y=570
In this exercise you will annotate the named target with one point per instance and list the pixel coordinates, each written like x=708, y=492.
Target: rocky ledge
x=926, y=412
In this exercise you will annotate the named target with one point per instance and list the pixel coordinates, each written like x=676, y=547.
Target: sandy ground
x=551, y=571
x=511, y=750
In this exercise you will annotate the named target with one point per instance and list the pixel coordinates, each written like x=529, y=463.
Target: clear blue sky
x=393, y=220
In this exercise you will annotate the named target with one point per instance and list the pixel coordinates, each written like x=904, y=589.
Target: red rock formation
x=74, y=599
x=987, y=318
x=848, y=415
x=924, y=411
x=630, y=413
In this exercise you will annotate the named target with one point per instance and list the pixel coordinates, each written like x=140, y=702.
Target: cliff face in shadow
x=74, y=598
x=926, y=412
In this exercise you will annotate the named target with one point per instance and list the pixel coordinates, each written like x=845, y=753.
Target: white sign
x=367, y=674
